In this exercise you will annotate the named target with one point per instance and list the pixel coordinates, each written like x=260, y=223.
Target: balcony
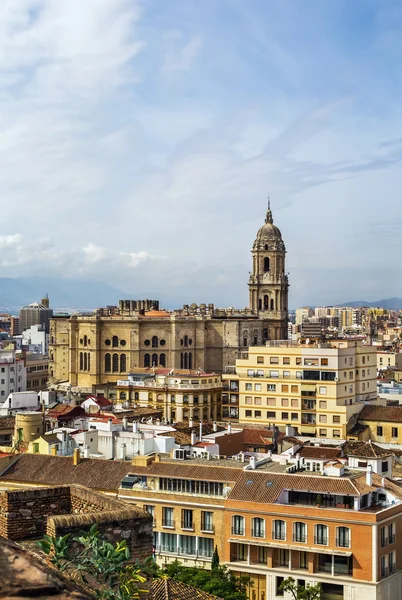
x=388, y=570
x=392, y=538
x=258, y=533
x=237, y=558
x=308, y=405
x=278, y=535
x=342, y=543
x=321, y=541
x=301, y=538
x=308, y=419
x=237, y=530
x=384, y=542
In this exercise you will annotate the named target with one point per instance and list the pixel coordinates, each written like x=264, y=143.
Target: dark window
x=85, y=340
x=154, y=341
x=186, y=340
x=162, y=342
x=384, y=466
x=394, y=432
x=115, y=341
x=328, y=376
x=311, y=375
x=272, y=304
x=190, y=360
x=81, y=361
x=147, y=342
x=85, y=361
x=107, y=342
x=147, y=360
x=162, y=360
x=154, y=360
x=115, y=363
x=279, y=591
x=123, y=363
x=260, y=304
x=108, y=363
x=122, y=342
x=265, y=334
x=266, y=302
x=89, y=361
x=266, y=264
x=379, y=430
x=245, y=341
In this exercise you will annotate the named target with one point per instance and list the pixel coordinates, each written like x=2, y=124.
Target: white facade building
x=13, y=377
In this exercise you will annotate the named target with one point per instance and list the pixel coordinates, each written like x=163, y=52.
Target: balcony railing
x=392, y=538
x=188, y=525
x=237, y=558
x=168, y=523
x=206, y=528
x=278, y=535
x=299, y=538
x=388, y=570
x=321, y=540
x=237, y=530
x=342, y=543
x=258, y=533
x=384, y=542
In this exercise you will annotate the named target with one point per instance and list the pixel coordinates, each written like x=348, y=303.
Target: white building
x=13, y=376
x=18, y=401
x=36, y=339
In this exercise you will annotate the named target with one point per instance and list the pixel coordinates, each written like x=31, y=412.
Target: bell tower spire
x=268, y=283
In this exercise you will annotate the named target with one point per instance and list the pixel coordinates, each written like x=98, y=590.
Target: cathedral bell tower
x=268, y=283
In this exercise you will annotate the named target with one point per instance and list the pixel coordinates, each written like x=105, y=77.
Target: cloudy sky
x=140, y=139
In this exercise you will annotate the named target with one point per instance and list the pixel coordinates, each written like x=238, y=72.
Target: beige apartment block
x=316, y=388
x=389, y=360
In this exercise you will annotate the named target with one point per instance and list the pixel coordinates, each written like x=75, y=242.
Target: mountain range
x=389, y=303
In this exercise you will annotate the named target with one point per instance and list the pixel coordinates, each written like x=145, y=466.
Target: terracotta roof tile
x=319, y=452
x=170, y=589
x=7, y=422
x=257, y=437
x=381, y=413
x=365, y=449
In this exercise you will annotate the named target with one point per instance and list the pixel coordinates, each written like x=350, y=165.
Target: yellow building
x=389, y=360
x=317, y=388
x=94, y=349
x=181, y=395
x=380, y=424
x=45, y=444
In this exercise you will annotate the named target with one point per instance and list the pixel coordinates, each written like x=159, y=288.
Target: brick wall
x=24, y=513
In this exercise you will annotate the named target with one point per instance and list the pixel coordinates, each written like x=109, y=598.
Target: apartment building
x=37, y=366
x=317, y=388
x=389, y=360
x=13, y=376
x=182, y=395
x=381, y=424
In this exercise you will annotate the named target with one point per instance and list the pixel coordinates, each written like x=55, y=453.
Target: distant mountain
x=63, y=293
x=389, y=303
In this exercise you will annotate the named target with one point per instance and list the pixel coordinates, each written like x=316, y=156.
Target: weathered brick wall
x=24, y=513
x=84, y=500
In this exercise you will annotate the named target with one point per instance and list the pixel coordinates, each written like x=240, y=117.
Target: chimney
x=383, y=482
x=53, y=450
x=200, y=434
x=269, y=453
x=191, y=423
x=158, y=422
x=215, y=426
x=123, y=451
x=125, y=423
x=135, y=427
x=369, y=476
x=76, y=456
x=289, y=430
x=193, y=438
x=85, y=452
x=253, y=462
x=230, y=428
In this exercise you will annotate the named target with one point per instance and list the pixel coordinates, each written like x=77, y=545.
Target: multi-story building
x=89, y=350
x=303, y=314
x=37, y=366
x=315, y=387
x=381, y=424
x=13, y=376
x=388, y=360
x=35, y=314
x=182, y=395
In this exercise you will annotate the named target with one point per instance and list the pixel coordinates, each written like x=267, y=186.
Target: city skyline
x=141, y=141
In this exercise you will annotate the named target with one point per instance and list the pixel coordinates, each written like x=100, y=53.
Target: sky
x=140, y=139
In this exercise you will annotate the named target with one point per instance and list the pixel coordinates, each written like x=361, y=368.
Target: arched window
x=266, y=264
x=181, y=360
x=85, y=340
x=173, y=399
x=123, y=396
x=162, y=360
x=136, y=396
x=149, y=396
x=89, y=361
x=123, y=363
x=154, y=341
x=159, y=398
x=115, y=363
x=186, y=340
x=185, y=360
x=299, y=532
x=272, y=304
x=321, y=535
x=265, y=334
x=81, y=361
x=260, y=304
x=115, y=341
x=85, y=361
x=343, y=537
x=154, y=360
x=147, y=360
x=258, y=527
x=185, y=399
x=238, y=525
x=190, y=360
x=266, y=302
x=278, y=530
x=108, y=363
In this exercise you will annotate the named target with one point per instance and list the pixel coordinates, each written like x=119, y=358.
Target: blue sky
x=140, y=141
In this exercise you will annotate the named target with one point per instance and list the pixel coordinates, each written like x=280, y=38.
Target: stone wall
x=24, y=513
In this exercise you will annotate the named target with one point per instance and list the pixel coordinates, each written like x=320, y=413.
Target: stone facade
x=88, y=350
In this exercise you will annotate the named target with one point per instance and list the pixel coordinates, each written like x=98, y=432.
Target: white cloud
x=7, y=241
x=182, y=56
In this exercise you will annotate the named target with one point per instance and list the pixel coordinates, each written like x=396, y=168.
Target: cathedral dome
x=269, y=236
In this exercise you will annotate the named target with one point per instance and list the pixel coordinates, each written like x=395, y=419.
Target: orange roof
x=157, y=313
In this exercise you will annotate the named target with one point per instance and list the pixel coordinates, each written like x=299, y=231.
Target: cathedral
x=102, y=347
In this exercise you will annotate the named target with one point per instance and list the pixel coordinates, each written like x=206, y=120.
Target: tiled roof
x=170, y=589
x=357, y=428
x=94, y=473
x=365, y=449
x=64, y=410
x=381, y=413
x=257, y=437
x=266, y=487
x=392, y=486
x=189, y=470
x=7, y=422
x=319, y=452
x=101, y=401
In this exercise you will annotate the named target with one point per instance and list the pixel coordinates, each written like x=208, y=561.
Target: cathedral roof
x=269, y=234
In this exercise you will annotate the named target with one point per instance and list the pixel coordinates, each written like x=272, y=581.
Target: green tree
x=218, y=582
x=300, y=592
x=102, y=566
x=215, y=559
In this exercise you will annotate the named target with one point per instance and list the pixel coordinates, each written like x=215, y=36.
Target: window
x=278, y=530
x=323, y=404
x=257, y=387
x=205, y=546
x=294, y=416
x=285, y=402
x=123, y=363
x=206, y=521
x=248, y=413
x=336, y=419
x=260, y=360
x=322, y=418
x=322, y=390
x=108, y=363
x=285, y=416
x=257, y=400
x=391, y=533
x=136, y=396
x=271, y=401
x=238, y=525
x=274, y=360
x=278, y=590
x=155, y=360
x=343, y=537
x=258, y=527
x=271, y=414
x=284, y=388
x=384, y=466
x=162, y=360
x=391, y=562
x=299, y=374
x=266, y=264
x=321, y=535
x=323, y=433
x=379, y=430
x=167, y=517
x=294, y=403
x=324, y=362
x=147, y=360
x=168, y=542
x=271, y=387
x=336, y=433
x=257, y=414
x=294, y=389
x=187, y=544
x=299, y=532
x=115, y=341
x=154, y=341
x=286, y=374
x=394, y=432
x=384, y=570
x=249, y=386
x=274, y=374
x=115, y=363
x=249, y=400
x=150, y=509
x=187, y=519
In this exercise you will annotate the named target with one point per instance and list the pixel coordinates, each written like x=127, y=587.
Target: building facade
x=94, y=349
x=316, y=388
x=13, y=374
x=35, y=314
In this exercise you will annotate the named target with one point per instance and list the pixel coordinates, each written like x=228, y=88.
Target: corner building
x=98, y=348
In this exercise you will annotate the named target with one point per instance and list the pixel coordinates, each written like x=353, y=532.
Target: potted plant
x=319, y=501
